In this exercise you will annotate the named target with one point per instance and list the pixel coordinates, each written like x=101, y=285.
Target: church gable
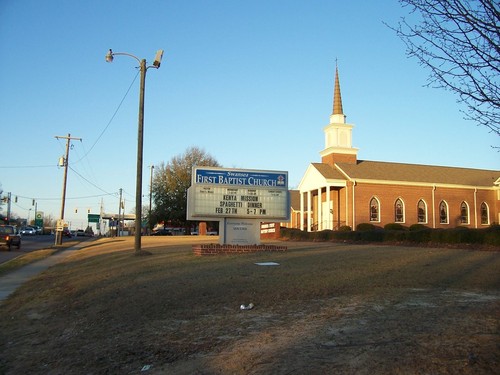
x=318, y=174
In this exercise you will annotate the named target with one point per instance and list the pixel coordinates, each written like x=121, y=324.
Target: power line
x=111, y=120
x=91, y=183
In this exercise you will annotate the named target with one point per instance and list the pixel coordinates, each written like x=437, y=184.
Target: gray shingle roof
x=385, y=171
x=413, y=173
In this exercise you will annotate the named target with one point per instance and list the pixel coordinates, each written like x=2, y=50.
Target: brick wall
x=217, y=249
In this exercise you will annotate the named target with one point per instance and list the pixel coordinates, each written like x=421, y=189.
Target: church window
x=398, y=211
x=421, y=211
x=464, y=213
x=443, y=212
x=374, y=210
x=485, y=215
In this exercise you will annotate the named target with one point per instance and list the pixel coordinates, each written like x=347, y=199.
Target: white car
x=28, y=231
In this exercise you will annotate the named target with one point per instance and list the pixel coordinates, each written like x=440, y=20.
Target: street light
x=138, y=186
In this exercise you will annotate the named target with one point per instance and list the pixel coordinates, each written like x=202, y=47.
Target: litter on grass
x=249, y=307
x=267, y=264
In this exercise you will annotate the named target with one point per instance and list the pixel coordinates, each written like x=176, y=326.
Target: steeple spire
x=338, y=134
x=337, y=97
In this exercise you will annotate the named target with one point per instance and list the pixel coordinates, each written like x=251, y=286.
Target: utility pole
x=119, y=215
x=9, y=196
x=59, y=230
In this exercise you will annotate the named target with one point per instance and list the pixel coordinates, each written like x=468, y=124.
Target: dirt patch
x=326, y=308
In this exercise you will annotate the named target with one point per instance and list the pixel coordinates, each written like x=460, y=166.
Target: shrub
x=376, y=235
x=491, y=235
x=294, y=234
x=345, y=228
x=422, y=235
x=324, y=235
x=364, y=227
x=395, y=235
x=417, y=227
x=394, y=226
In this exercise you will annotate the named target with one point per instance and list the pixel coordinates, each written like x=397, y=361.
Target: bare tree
x=459, y=41
x=170, y=184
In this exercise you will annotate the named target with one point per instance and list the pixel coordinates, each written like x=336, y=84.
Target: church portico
x=325, y=202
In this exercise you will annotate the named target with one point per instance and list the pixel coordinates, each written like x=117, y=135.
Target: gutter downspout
x=353, y=206
x=433, y=207
x=475, y=207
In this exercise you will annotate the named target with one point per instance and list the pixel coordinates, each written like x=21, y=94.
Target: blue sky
x=249, y=82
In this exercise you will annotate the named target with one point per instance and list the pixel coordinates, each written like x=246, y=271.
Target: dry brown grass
x=327, y=308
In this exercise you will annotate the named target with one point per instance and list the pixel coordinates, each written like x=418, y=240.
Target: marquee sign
x=232, y=177
x=218, y=193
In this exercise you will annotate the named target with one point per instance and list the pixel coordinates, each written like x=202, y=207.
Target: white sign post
x=239, y=199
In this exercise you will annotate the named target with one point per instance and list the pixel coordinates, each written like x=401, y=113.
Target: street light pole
x=138, y=186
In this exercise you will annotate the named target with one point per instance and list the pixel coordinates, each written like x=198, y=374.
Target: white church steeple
x=338, y=134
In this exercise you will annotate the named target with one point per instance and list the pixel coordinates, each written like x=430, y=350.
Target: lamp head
x=109, y=56
x=159, y=55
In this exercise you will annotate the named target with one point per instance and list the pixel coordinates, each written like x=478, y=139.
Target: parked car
x=80, y=233
x=9, y=236
x=66, y=233
x=28, y=231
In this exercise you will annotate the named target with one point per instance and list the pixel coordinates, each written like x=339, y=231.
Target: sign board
x=60, y=224
x=242, y=231
x=39, y=219
x=238, y=193
x=93, y=218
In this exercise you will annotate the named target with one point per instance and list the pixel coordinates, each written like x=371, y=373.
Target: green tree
x=459, y=42
x=170, y=184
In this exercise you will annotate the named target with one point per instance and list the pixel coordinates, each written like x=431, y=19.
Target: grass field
x=325, y=308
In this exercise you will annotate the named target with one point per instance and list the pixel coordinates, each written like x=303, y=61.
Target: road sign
x=94, y=218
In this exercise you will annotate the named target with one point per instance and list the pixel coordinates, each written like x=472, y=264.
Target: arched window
x=374, y=210
x=421, y=211
x=485, y=214
x=399, y=211
x=464, y=213
x=443, y=212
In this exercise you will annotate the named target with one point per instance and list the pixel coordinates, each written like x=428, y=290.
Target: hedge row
x=418, y=234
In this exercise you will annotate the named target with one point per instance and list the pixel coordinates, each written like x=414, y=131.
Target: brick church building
x=342, y=190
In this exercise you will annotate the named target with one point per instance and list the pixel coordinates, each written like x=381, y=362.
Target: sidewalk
x=13, y=280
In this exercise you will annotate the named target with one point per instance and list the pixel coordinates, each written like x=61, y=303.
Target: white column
x=309, y=210
x=301, y=219
x=329, y=224
x=320, y=211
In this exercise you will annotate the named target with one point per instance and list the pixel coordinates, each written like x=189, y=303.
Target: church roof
x=413, y=173
x=328, y=172
x=295, y=200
